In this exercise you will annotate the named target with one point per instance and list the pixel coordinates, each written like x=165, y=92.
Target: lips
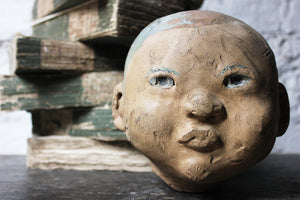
x=201, y=140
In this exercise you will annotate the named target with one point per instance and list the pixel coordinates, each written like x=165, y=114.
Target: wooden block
x=95, y=123
x=34, y=55
x=114, y=21
x=45, y=7
x=56, y=92
x=193, y=4
x=81, y=153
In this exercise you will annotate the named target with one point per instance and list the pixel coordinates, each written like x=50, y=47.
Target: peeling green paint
x=100, y=134
x=57, y=2
x=64, y=4
x=57, y=5
x=35, y=55
x=7, y=106
x=56, y=28
x=44, y=86
x=43, y=92
x=29, y=52
x=105, y=12
x=94, y=122
x=100, y=119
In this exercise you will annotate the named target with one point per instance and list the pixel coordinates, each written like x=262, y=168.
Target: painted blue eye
x=162, y=81
x=235, y=81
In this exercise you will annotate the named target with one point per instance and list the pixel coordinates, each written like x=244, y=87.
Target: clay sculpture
x=200, y=98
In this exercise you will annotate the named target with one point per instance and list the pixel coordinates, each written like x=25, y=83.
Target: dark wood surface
x=277, y=177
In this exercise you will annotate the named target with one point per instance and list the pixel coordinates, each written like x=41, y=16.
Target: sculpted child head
x=200, y=98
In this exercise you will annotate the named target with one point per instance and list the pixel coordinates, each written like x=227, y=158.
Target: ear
x=284, y=110
x=117, y=107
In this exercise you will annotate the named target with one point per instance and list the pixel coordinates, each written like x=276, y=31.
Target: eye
x=235, y=81
x=162, y=81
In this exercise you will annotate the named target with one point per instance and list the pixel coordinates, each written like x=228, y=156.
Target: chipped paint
x=231, y=67
x=98, y=134
x=94, y=122
x=158, y=25
x=190, y=19
x=43, y=7
x=162, y=69
x=56, y=28
x=83, y=21
x=90, y=89
x=98, y=87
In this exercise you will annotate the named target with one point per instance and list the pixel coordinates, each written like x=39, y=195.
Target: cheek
x=149, y=128
x=251, y=127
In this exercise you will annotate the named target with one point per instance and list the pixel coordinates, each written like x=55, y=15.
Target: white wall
x=277, y=20
x=15, y=127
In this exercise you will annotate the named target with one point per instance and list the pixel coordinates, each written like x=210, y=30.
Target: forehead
x=183, y=41
x=187, y=19
x=219, y=43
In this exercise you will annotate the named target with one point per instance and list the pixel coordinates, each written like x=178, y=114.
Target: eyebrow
x=231, y=67
x=163, y=69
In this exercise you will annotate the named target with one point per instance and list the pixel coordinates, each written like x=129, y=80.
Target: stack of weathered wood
x=65, y=74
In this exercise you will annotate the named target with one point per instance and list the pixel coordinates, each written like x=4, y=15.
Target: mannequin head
x=200, y=98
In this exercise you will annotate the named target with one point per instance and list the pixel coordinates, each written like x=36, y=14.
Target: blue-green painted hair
x=183, y=19
x=158, y=25
x=195, y=19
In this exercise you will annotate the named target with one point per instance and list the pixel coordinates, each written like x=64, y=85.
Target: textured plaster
x=277, y=20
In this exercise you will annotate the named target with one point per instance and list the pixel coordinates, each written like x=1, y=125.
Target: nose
x=205, y=107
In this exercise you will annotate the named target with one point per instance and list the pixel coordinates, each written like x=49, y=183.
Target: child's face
x=201, y=107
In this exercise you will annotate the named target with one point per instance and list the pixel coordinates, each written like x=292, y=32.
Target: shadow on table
x=277, y=177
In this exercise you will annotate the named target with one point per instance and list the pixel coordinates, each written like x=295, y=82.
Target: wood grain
x=57, y=92
x=94, y=122
x=82, y=153
x=33, y=55
x=45, y=7
x=117, y=21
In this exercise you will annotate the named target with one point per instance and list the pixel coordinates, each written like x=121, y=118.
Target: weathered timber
x=35, y=55
x=82, y=153
x=55, y=92
x=193, y=4
x=45, y=7
x=117, y=21
x=94, y=122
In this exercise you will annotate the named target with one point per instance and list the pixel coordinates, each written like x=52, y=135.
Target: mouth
x=201, y=140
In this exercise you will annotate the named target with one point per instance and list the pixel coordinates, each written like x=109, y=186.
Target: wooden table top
x=277, y=177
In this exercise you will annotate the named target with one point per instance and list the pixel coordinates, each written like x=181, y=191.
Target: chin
x=189, y=180
x=187, y=177
x=192, y=175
